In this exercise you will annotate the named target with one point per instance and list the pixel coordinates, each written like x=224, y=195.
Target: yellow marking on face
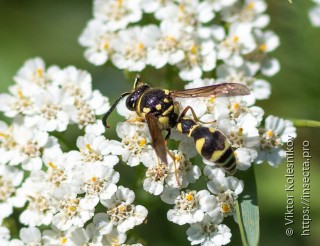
x=199, y=144
x=94, y=179
x=164, y=121
x=146, y=110
x=166, y=92
x=166, y=100
x=168, y=110
x=158, y=106
x=72, y=208
x=235, y=39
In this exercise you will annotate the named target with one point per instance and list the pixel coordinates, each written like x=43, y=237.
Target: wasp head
x=135, y=95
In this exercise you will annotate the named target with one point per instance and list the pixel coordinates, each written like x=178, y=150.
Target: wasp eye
x=130, y=102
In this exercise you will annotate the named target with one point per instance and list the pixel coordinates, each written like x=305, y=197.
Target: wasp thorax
x=132, y=99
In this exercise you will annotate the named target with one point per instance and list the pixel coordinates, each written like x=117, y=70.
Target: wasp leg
x=166, y=138
x=172, y=156
x=184, y=112
x=137, y=119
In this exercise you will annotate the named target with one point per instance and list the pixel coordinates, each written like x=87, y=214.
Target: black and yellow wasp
x=158, y=108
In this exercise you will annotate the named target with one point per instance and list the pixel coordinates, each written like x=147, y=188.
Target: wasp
x=158, y=108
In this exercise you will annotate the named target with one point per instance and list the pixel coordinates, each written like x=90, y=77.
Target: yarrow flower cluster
x=73, y=191
x=314, y=14
x=61, y=190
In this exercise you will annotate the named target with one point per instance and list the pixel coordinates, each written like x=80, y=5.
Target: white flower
x=95, y=149
x=167, y=48
x=227, y=190
x=238, y=42
x=182, y=168
x=114, y=238
x=4, y=235
x=121, y=213
x=135, y=139
x=40, y=207
x=20, y=144
x=55, y=237
x=10, y=179
x=275, y=133
x=189, y=14
x=97, y=182
x=314, y=15
x=117, y=14
x=74, y=82
x=89, y=236
x=98, y=41
x=155, y=178
x=30, y=236
x=132, y=45
x=198, y=58
x=190, y=207
x=53, y=107
x=33, y=75
x=209, y=232
x=19, y=102
x=250, y=12
x=72, y=210
x=260, y=89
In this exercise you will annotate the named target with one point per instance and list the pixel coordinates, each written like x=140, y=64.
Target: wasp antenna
x=105, y=117
x=136, y=81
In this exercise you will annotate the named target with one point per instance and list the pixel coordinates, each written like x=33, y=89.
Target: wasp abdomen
x=214, y=146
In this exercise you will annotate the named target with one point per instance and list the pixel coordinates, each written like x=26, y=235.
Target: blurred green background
x=50, y=29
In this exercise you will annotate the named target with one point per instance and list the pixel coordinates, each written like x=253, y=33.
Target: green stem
x=305, y=123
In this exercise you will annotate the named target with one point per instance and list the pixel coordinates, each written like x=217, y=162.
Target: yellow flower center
x=193, y=49
x=225, y=207
x=142, y=142
x=251, y=5
x=63, y=240
x=263, y=47
x=270, y=133
x=189, y=197
x=235, y=39
x=52, y=165
x=40, y=72
x=88, y=146
x=94, y=179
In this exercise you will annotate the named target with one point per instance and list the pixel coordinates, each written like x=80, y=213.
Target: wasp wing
x=220, y=90
x=158, y=142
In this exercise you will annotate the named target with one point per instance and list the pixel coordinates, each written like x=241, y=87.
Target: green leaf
x=248, y=210
x=305, y=123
